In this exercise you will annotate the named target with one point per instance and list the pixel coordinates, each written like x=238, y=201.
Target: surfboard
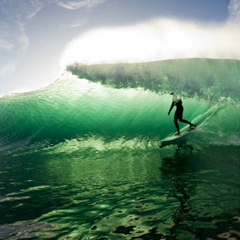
x=174, y=138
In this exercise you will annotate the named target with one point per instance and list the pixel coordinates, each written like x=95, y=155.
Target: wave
x=126, y=101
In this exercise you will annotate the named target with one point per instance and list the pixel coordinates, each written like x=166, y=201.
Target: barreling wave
x=126, y=101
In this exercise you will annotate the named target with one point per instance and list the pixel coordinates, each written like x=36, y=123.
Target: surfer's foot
x=192, y=126
x=178, y=134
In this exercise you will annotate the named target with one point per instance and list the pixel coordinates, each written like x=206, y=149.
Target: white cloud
x=22, y=38
x=234, y=10
x=6, y=69
x=154, y=40
x=15, y=17
x=5, y=45
x=73, y=5
x=76, y=25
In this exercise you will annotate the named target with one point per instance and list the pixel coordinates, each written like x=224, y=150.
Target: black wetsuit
x=178, y=114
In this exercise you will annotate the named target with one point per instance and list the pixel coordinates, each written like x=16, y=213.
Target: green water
x=176, y=193
x=80, y=159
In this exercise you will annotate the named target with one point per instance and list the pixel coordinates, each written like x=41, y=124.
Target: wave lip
x=206, y=78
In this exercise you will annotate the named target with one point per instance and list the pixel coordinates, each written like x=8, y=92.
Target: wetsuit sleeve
x=172, y=105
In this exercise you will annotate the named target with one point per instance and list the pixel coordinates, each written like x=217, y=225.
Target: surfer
x=179, y=113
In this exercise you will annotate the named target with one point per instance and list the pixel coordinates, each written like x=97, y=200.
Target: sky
x=39, y=38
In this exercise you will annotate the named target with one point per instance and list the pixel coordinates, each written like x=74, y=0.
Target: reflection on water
x=207, y=191
x=172, y=193
x=177, y=170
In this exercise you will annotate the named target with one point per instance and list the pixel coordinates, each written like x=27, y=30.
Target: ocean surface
x=80, y=158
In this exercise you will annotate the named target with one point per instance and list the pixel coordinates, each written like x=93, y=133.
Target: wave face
x=127, y=101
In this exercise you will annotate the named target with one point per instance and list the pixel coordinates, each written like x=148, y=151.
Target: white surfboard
x=174, y=138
